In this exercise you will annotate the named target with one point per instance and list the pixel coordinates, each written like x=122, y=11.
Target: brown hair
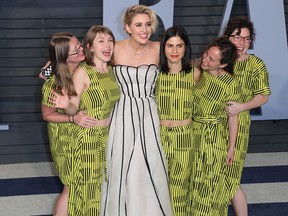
x=89, y=38
x=58, y=53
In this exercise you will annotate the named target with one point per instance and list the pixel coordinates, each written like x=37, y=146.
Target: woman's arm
x=233, y=131
x=234, y=108
x=52, y=115
x=70, y=104
x=197, y=75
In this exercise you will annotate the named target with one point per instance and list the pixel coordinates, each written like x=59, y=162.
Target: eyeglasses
x=238, y=38
x=77, y=51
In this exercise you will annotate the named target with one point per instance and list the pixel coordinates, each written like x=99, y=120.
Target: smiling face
x=140, y=28
x=174, y=50
x=102, y=47
x=75, y=54
x=241, y=41
x=211, y=59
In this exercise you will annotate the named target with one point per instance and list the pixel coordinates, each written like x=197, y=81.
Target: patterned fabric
x=59, y=135
x=137, y=180
x=211, y=141
x=90, y=144
x=177, y=144
x=174, y=94
x=253, y=77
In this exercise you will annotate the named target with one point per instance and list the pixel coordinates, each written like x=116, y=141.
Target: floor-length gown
x=137, y=179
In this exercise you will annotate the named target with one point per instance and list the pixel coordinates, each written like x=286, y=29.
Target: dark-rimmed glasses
x=238, y=38
x=77, y=51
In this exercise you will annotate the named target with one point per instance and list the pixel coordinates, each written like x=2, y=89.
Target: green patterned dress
x=174, y=94
x=90, y=144
x=211, y=141
x=253, y=77
x=59, y=135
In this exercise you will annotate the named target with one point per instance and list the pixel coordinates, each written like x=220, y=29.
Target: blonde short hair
x=132, y=11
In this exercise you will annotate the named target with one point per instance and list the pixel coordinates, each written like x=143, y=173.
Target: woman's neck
x=136, y=48
x=243, y=57
x=72, y=67
x=101, y=67
x=217, y=72
x=175, y=68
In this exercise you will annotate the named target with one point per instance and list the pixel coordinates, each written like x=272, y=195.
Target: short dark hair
x=239, y=23
x=228, y=52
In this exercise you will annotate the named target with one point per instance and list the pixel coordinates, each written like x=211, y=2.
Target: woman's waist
x=175, y=123
x=139, y=96
x=210, y=119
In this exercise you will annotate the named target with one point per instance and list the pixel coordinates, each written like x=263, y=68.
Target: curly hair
x=239, y=23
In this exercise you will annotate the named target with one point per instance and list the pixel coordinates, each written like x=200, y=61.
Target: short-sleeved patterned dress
x=211, y=141
x=90, y=143
x=253, y=77
x=59, y=135
x=174, y=94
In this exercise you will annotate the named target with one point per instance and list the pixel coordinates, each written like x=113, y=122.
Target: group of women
x=151, y=134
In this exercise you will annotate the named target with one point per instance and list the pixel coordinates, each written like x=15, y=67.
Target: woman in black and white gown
x=137, y=179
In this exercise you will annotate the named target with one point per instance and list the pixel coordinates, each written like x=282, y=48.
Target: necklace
x=133, y=52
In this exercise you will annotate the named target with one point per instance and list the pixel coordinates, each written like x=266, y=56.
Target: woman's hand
x=230, y=156
x=59, y=101
x=82, y=119
x=233, y=108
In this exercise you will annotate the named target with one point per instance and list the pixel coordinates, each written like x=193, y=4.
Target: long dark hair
x=186, y=60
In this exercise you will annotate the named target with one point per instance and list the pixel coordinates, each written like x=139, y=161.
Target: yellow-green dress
x=174, y=95
x=59, y=135
x=90, y=143
x=211, y=141
x=253, y=77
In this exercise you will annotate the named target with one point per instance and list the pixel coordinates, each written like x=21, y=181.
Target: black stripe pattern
x=137, y=179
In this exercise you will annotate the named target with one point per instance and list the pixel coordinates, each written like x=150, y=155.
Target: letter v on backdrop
x=271, y=46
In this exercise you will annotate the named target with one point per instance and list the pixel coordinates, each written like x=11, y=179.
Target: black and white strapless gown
x=137, y=179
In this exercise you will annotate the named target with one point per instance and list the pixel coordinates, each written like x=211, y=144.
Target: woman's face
x=102, y=47
x=175, y=49
x=140, y=29
x=211, y=59
x=242, y=41
x=76, y=54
